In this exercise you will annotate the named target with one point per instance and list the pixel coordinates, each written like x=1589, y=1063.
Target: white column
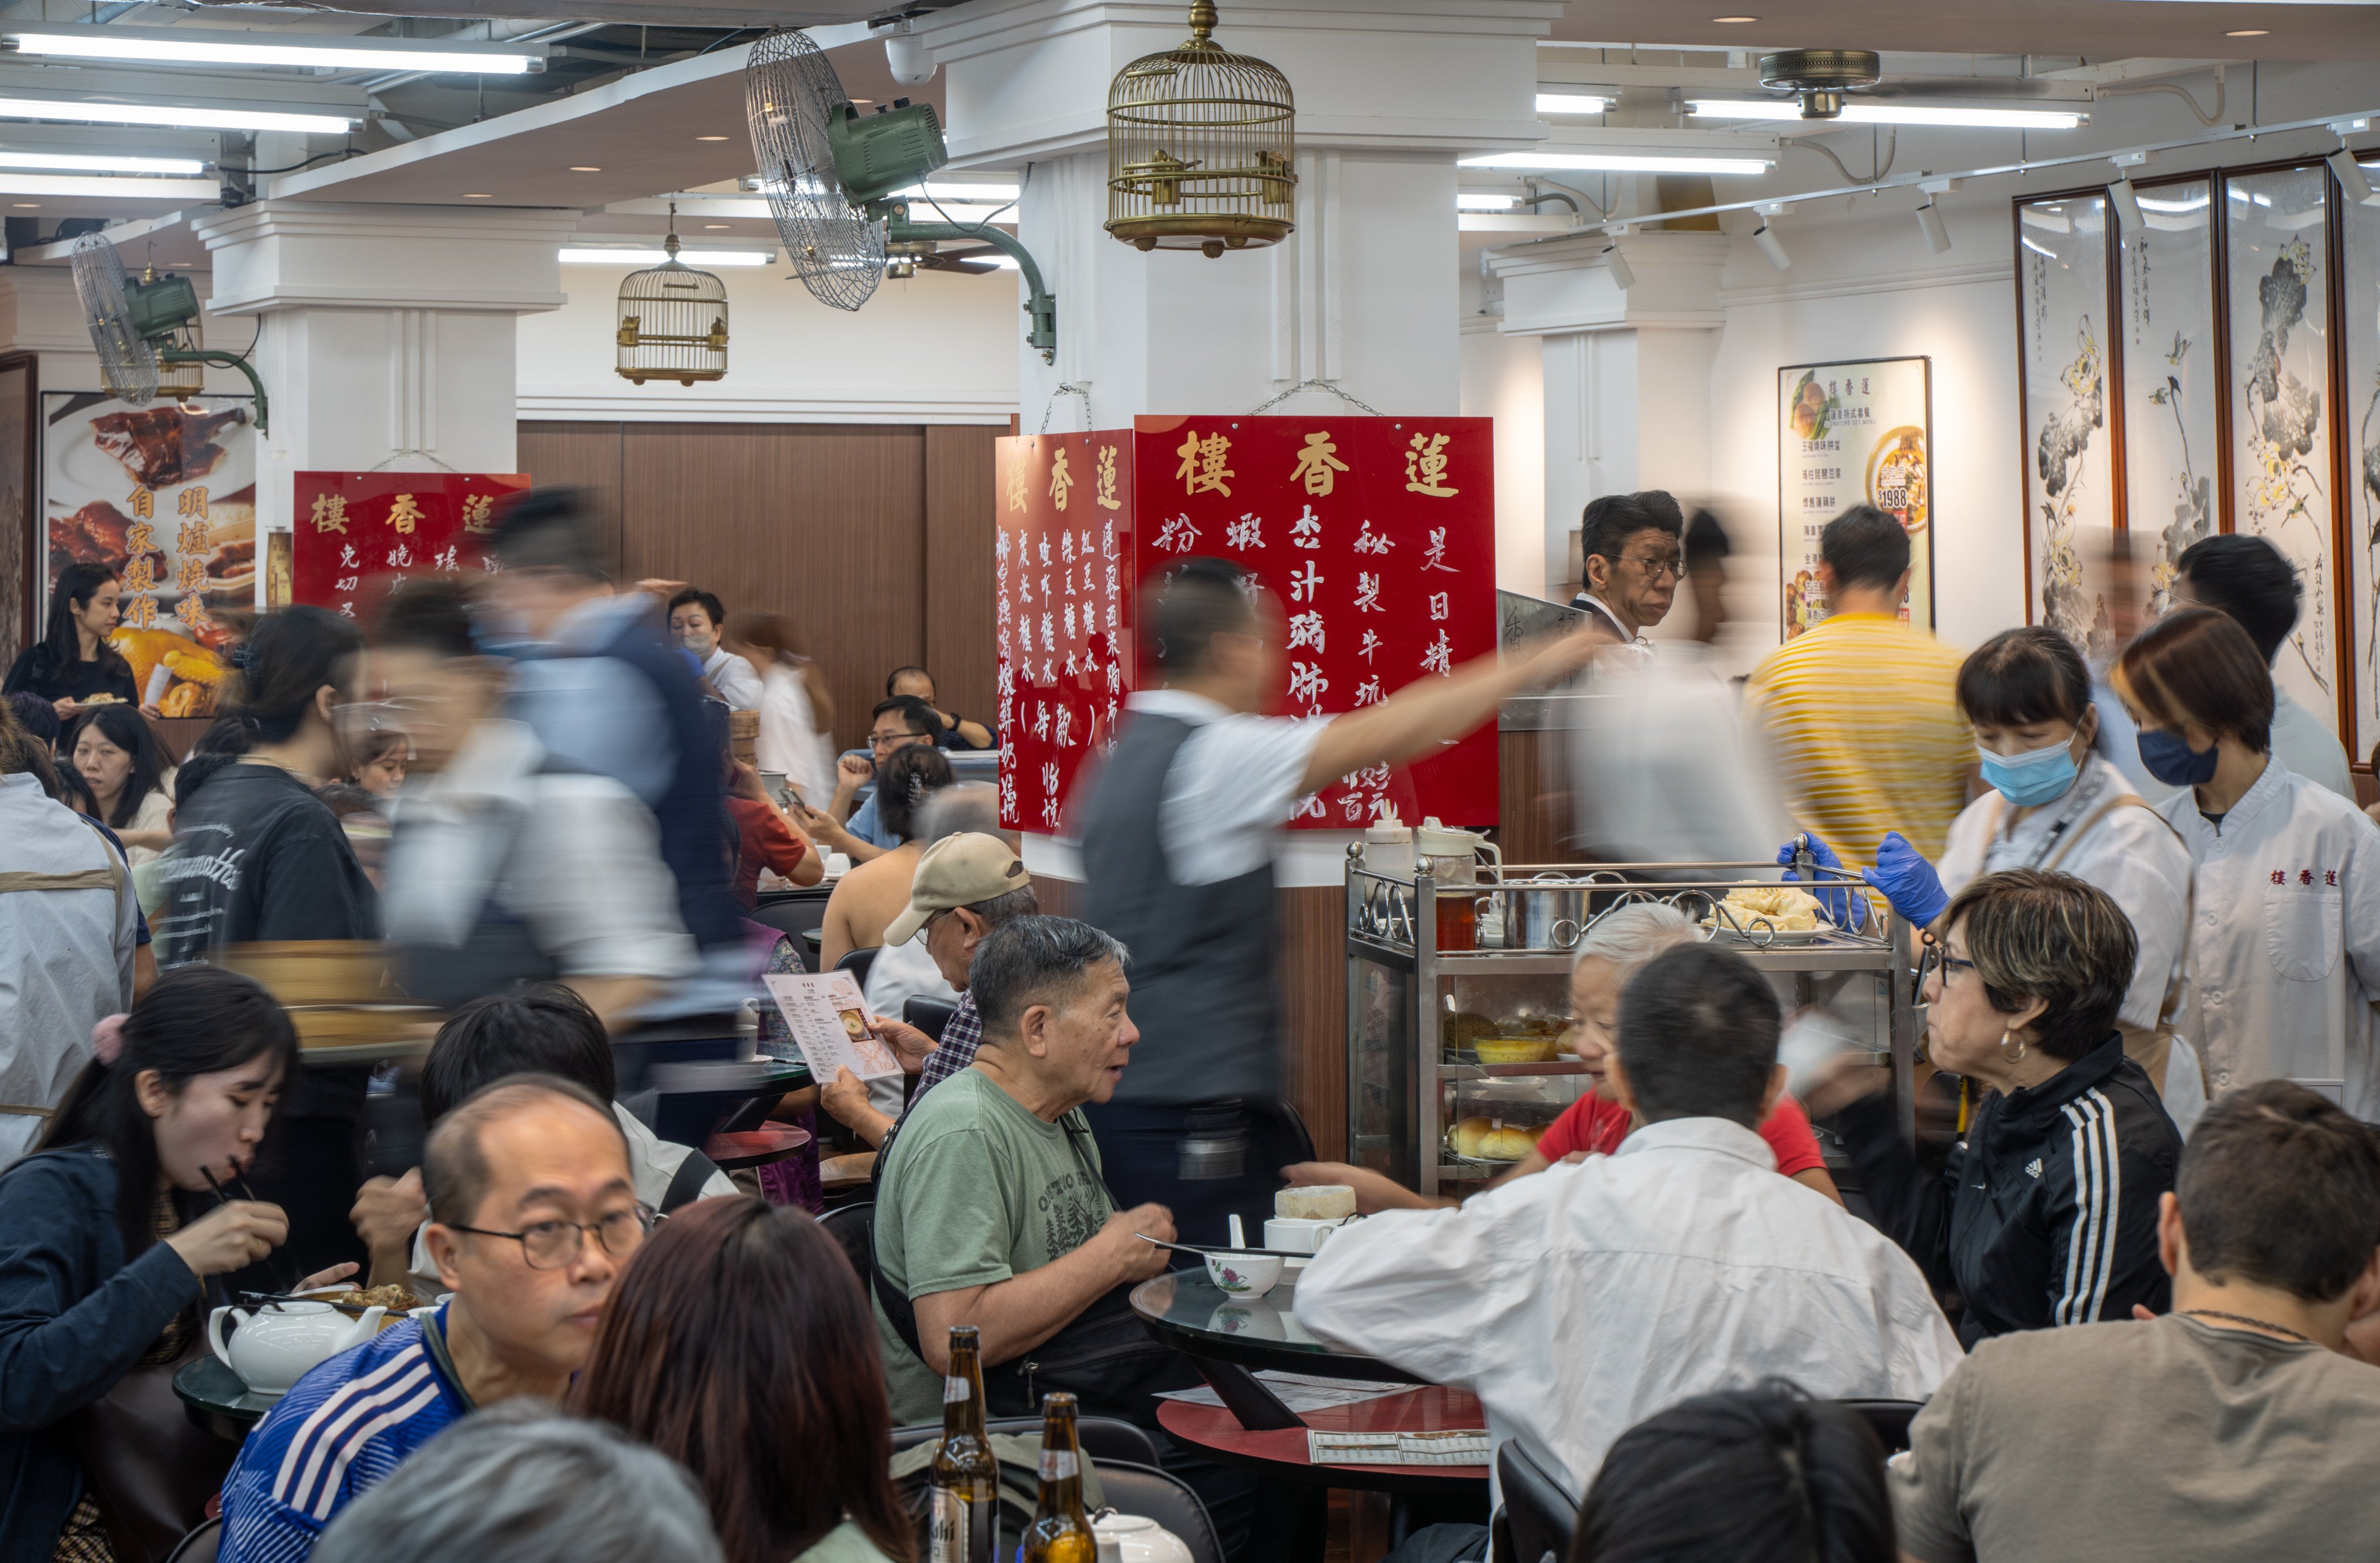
x=1627, y=370
x=386, y=334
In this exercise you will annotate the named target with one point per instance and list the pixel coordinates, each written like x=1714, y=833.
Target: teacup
x=1243, y=1275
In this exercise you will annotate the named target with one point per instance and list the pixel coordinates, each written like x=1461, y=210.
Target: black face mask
x=2173, y=762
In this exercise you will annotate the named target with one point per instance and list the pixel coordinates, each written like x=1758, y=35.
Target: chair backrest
x=1156, y=1494
x=1890, y=1420
x=1539, y=1513
x=1104, y=1438
x=791, y=915
x=854, y=1227
x=200, y=1544
x=856, y=962
x=928, y=1015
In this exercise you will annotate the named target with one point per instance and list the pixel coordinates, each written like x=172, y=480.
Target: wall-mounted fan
x=829, y=173
x=133, y=325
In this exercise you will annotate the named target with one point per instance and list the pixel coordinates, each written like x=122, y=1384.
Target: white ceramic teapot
x=1131, y=1538
x=276, y=1346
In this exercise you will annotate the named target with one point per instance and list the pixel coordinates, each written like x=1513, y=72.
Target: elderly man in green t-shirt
x=990, y=1208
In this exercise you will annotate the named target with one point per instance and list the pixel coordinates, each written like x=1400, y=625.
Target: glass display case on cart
x=1458, y=997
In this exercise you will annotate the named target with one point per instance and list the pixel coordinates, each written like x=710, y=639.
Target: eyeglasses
x=893, y=740
x=1936, y=957
x=549, y=1245
x=1656, y=565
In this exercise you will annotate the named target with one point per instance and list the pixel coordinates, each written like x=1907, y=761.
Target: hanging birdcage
x=179, y=381
x=1202, y=148
x=673, y=322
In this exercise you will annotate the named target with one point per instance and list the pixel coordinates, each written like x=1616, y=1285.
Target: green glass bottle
x=966, y=1480
x=1061, y=1531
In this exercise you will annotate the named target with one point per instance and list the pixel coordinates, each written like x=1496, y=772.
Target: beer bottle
x=966, y=1480
x=1061, y=1531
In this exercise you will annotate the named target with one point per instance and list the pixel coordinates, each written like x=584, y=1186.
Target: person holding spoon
x=113, y=1237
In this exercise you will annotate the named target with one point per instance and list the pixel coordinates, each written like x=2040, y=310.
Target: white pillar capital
x=277, y=255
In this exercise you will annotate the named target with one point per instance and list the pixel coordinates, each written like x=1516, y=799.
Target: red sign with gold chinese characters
x=1375, y=537
x=354, y=529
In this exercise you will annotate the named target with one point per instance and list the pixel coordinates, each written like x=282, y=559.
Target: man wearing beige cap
x=966, y=886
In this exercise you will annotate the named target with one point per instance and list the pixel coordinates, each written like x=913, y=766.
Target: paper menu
x=828, y=1020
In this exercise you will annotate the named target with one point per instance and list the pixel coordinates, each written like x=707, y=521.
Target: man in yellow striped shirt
x=1860, y=714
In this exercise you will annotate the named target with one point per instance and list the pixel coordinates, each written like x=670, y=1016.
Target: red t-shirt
x=763, y=840
x=1596, y=1126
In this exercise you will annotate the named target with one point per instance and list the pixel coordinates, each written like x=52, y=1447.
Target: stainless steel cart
x=1434, y=971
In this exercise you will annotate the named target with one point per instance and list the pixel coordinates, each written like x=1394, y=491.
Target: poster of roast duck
x=164, y=495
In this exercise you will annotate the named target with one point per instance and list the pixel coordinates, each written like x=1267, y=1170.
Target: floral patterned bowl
x=1243, y=1275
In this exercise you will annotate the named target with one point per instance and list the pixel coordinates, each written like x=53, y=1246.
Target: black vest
x=1202, y=955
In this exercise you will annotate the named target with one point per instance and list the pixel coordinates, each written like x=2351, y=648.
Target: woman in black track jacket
x=2047, y=1212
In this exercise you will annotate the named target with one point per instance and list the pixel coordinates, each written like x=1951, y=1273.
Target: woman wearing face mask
x=2285, y=948
x=112, y=1241
x=2054, y=805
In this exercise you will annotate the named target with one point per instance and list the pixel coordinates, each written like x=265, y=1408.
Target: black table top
x=1193, y=1315
x=217, y=1400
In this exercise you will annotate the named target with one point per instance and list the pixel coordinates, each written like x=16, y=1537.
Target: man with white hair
x=1615, y=946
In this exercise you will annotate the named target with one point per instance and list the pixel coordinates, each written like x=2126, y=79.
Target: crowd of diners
x=2134, y=1286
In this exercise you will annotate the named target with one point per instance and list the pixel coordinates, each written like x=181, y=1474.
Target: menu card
x=829, y=1021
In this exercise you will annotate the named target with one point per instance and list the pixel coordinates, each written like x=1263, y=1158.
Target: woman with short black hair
x=2047, y=1212
x=73, y=664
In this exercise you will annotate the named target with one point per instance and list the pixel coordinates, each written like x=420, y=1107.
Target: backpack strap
x=685, y=1183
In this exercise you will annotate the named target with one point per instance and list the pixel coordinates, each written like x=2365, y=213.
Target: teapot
x=277, y=1346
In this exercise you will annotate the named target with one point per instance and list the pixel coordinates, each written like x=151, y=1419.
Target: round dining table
x=216, y=1401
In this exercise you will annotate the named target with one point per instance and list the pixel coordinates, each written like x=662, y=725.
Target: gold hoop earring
x=2017, y=1056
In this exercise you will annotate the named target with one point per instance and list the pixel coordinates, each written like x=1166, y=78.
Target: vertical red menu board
x=1375, y=537
x=354, y=528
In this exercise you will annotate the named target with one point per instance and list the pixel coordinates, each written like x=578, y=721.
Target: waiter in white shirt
x=1577, y=1303
x=2285, y=937
x=2245, y=577
x=1633, y=551
x=1177, y=852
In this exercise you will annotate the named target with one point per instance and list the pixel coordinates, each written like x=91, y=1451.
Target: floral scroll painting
x=2359, y=424
x=2170, y=390
x=2278, y=284
x=2064, y=312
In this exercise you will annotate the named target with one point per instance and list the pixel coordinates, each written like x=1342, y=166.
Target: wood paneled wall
x=876, y=539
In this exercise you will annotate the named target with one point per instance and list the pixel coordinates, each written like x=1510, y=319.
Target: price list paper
x=827, y=1019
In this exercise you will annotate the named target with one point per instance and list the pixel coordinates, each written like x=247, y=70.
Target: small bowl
x=1243, y=1275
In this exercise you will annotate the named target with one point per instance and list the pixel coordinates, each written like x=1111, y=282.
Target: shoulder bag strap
x=685, y=1183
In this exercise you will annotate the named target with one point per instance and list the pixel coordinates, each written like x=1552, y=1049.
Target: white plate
x=82, y=472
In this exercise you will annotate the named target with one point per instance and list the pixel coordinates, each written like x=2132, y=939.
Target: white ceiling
x=2095, y=29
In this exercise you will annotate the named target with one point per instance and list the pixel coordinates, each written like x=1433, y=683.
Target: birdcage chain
x=1069, y=388
x=1319, y=385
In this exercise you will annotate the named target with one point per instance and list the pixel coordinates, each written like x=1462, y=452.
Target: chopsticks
x=249, y=1194
x=1259, y=1253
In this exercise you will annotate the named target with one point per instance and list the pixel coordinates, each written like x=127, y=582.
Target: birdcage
x=179, y=381
x=1202, y=148
x=673, y=322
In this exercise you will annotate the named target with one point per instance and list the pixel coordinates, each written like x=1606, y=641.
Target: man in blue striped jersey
x=533, y=1211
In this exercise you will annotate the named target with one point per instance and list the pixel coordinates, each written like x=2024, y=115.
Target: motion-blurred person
x=70, y=926
x=797, y=710
x=1859, y=714
x=2130, y=599
x=259, y=859
x=495, y=846
x=2054, y=803
x=129, y=779
x=604, y=693
x=72, y=663
x=2245, y=577
x=1633, y=550
x=381, y=756
x=696, y=619
x=2285, y=948
x=957, y=732
x=1177, y=833
x=1660, y=769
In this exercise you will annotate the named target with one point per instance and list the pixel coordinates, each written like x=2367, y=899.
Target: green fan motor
x=161, y=305
x=890, y=149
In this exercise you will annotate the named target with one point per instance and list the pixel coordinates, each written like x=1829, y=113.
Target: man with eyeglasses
x=900, y=722
x=1634, y=552
x=533, y=1211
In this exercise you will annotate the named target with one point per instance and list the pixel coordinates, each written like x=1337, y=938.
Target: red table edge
x=1194, y=1425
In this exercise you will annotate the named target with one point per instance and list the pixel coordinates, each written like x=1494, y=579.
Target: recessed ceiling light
x=2251, y=32
x=862, y=99
x=710, y=138
x=27, y=205
x=477, y=195
x=715, y=225
x=1733, y=20
x=584, y=168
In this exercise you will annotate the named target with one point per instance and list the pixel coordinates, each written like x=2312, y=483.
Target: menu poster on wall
x=828, y=1018
x=359, y=534
x=164, y=495
x=1860, y=432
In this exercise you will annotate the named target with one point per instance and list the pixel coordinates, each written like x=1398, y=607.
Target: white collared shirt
x=1233, y=783
x=735, y=679
x=1594, y=604
x=1577, y=1303
x=2285, y=956
x=2130, y=853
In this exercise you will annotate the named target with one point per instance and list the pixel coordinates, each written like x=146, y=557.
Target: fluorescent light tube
x=1571, y=102
x=1891, y=114
x=100, y=163
x=165, y=114
x=131, y=189
x=1467, y=201
x=1621, y=162
x=655, y=256
x=98, y=44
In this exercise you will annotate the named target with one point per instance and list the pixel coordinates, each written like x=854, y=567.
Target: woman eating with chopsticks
x=109, y=1234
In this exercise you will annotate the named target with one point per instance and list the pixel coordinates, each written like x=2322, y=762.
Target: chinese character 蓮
x=1107, y=476
x=478, y=514
x=1202, y=470
x=1426, y=466
x=1319, y=464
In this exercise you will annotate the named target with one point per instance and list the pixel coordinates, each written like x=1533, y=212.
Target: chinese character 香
x=405, y=514
x=1061, y=480
x=1319, y=465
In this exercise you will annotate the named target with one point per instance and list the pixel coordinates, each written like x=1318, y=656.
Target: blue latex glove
x=1908, y=881
x=1832, y=900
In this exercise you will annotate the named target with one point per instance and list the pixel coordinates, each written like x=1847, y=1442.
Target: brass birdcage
x=673, y=322
x=1202, y=148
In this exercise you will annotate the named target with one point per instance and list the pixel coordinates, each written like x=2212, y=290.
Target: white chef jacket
x=733, y=678
x=1577, y=1303
x=2130, y=852
x=2285, y=956
x=2306, y=744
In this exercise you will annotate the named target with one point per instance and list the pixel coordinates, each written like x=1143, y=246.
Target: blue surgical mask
x=2173, y=762
x=2032, y=778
